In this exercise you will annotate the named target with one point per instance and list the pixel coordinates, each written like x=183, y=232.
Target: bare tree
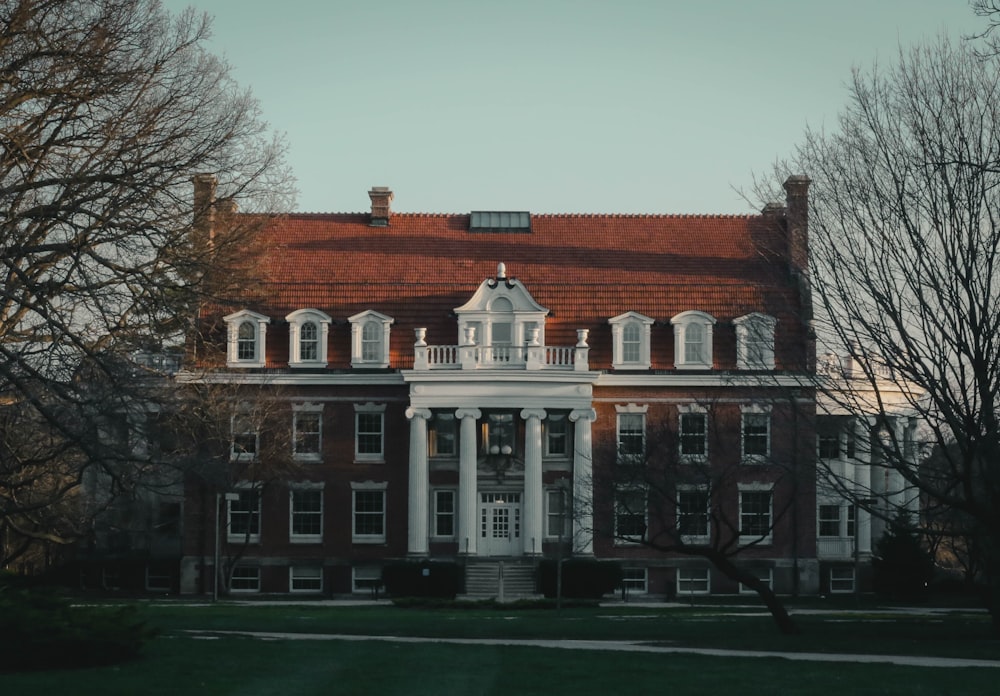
x=905, y=240
x=107, y=110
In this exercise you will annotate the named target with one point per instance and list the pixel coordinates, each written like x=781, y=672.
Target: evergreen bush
x=581, y=578
x=422, y=579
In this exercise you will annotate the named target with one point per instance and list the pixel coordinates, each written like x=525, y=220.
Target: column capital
x=584, y=414
x=538, y=413
x=413, y=412
x=468, y=413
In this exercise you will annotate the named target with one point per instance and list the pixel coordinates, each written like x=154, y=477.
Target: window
x=365, y=578
x=631, y=434
x=370, y=339
x=159, y=577
x=246, y=438
x=755, y=342
x=557, y=517
x=693, y=340
x=634, y=581
x=756, y=432
x=630, y=334
x=369, y=420
x=441, y=435
x=630, y=515
x=829, y=521
x=307, y=435
x=841, y=579
x=693, y=514
x=308, y=334
x=556, y=435
x=444, y=513
x=368, y=513
x=765, y=575
x=828, y=445
x=306, y=511
x=834, y=437
x=693, y=581
x=305, y=579
x=245, y=579
x=246, y=335
x=852, y=512
x=244, y=517
x=499, y=434
x=755, y=515
x=693, y=433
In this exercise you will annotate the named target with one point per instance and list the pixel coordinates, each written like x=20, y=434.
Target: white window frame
x=755, y=341
x=243, y=415
x=619, y=539
x=562, y=418
x=381, y=324
x=554, y=517
x=364, y=573
x=687, y=410
x=681, y=323
x=259, y=324
x=241, y=537
x=755, y=411
x=300, y=538
x=158, y=585
x=309, y=573
x=766, y=575
x=368, y=487
x=619, y=325
x=695, y=539
x=638, y=584
x=438, y=514
x=626, y=413
x=757, y=539
x=296, y=321
x=688, y=576
x=369, y=409
x=840, y=521
x=435, y=427
x=838, y=585
x=311, y=409
x=252, y=576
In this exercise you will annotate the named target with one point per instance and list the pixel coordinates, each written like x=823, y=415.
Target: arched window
x=246, y=334
x=694, y=344
x=370, y=339
x=631, y=341
x=246, y=342
x=308, y=342
x=371, y=342
x=630, y=333
x=693, y=340
x=308, y=335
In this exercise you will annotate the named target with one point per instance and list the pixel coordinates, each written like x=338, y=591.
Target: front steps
x=500, y=580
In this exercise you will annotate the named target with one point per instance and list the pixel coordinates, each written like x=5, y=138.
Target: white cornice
x=286, y=379
x=705, y=380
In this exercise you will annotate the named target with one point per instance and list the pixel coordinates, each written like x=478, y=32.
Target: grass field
x=181, y=662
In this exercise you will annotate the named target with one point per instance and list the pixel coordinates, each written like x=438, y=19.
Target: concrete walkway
x=621, y=646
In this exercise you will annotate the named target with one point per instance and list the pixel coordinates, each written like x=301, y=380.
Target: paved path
x=624, y=646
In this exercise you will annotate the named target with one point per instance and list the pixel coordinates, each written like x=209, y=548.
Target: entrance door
x=500, y=525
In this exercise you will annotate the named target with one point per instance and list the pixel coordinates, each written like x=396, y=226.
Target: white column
x=468, y=505
x=863, y=486
x=583, y=482
x=416, y=544
x=533, y=531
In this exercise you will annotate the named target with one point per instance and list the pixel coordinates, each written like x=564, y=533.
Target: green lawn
x=180, y=662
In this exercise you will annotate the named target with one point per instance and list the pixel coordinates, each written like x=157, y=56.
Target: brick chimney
x=381, y=198
x=797, y=202
x=204, y=207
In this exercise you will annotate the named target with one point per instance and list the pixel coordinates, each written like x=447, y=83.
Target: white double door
x=500, y=524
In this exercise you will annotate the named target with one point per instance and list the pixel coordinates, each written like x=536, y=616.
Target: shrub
x=581, y=578
x=39, y=629
x=902, y=567
x=422, y=579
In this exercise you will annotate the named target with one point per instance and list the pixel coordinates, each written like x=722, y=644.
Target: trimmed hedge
x=422, y=579
x=581, y=578
x=39, y=629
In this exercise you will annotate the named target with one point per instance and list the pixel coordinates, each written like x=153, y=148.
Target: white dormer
x=630, y=335
x=501, y=314
x=370, y=339
x=246, y=335
x=693, y=340
x=755, y=341
x=308, y=331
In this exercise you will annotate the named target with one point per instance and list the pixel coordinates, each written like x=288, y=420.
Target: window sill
x=370, y=541
x=241, y=539
x=305, y=540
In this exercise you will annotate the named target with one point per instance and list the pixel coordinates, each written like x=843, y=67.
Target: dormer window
x=245, y=343
x=370, y=339
x=693, y=340
x=308, y=331
x=755, y=341
x=630, y=334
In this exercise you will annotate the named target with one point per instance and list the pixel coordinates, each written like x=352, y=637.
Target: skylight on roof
x=500, y=221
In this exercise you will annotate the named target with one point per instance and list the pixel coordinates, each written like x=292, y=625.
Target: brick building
x=484, y=387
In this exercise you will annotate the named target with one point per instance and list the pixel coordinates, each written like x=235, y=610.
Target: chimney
x=381, y=197
x=797, y=202
x=204, y=206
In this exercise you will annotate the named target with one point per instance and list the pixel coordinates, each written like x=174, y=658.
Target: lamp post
x=215, y=567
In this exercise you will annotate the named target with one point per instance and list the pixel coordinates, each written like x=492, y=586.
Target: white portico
x=508, y=413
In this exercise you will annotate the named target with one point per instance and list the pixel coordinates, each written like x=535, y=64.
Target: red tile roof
x=583, y=268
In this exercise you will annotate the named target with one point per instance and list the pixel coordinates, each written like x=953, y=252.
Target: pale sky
x=554, y=106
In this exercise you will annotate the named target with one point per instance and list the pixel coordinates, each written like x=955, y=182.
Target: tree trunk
x=781, y=617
